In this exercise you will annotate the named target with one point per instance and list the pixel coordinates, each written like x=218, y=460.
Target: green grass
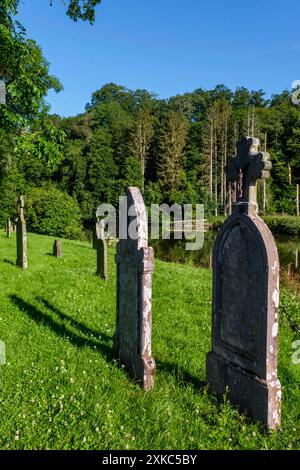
x=61, y=389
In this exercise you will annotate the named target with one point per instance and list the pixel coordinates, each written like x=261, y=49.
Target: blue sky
x=167, y=46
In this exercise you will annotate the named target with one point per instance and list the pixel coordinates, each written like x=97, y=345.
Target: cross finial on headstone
x=246, y=168
x=21, y=205
x=21, y=202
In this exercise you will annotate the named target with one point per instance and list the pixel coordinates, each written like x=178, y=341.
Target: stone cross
x=135, y=264
x=21, y=205
x=9, y=228
x=57, y=249
x=246, y=298
x=101, y=247
x=21, y=236
x=244, y=170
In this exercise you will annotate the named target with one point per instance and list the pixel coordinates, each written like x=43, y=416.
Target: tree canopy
x=175, y=149
x=81, y=9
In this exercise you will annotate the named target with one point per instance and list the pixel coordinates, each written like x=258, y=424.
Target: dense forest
x=174, y=149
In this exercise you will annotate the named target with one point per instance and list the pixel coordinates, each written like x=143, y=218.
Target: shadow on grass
x=183, y=377
x=8, y=261
x=61, y=330
x=75, y=323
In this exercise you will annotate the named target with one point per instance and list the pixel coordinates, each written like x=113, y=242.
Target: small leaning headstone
x=57, y=249
x=21, y=236
x=101, y=247
x=243, y=360
x=135, y=264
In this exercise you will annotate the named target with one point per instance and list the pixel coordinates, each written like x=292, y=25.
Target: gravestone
x=135, y=264
x=21, y=236
x=57, y=249
x=9, y=228
x=96, y=232
x=101, y=247
x=243, y=360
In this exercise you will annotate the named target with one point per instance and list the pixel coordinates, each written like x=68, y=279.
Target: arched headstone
x=135, y=264
x=21, y=236
x=246, y=297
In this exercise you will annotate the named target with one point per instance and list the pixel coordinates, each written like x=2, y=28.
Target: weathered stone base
x=141, y=369
x=258, y=398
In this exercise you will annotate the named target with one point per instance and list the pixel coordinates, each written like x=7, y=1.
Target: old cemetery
x=108, y=349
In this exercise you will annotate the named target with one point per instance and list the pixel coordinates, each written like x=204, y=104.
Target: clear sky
x=167, y=46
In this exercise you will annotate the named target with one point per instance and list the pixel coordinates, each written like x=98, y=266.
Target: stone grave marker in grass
x=135, y=264
x=21, y=236
x=57, y=249
x=246, y=297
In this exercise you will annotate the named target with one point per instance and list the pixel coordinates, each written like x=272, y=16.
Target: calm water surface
x=174, y=250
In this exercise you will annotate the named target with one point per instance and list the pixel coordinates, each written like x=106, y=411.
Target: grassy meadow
x=62, y=389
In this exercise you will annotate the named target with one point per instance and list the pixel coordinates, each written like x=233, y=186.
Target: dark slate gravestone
x=57, y=249
x=21, y=236
x=246, y=297
x=102, y=270
x=135, y=264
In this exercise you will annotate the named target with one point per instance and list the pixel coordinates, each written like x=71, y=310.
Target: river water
x=175, y=251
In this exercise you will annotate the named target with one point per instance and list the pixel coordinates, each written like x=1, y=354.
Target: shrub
x=216, y=222
x=49, y=211
x=11, y=188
